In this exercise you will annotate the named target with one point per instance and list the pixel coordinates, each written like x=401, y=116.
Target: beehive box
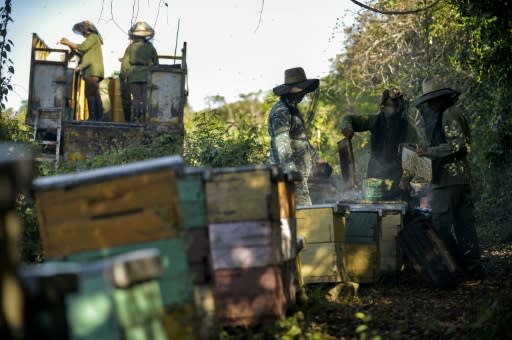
x=320, y=223
x=192, y=195
x=175, y=281
x=205, y=309
x=95, y=294
x=245, y=244
x=286, y=191
x=389, y=250
x=182, y=322
x=45, y=289
x=139, y=309
x=322, y=262
x=245, y=296
x=362, y=261
x=108, y=207
x=199, y=255
x=371, y=249
x=245, y=194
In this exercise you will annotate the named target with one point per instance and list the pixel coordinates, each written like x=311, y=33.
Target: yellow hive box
x=260, y=192
x=390, y=254
x=362, y=261
x=181, y=322
x=322, y=262
x=109, y=207
x=320, y=223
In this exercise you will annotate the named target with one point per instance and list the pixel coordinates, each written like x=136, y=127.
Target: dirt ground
x=411, y=309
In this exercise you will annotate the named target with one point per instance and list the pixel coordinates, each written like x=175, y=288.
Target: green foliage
x=31, y=242
x=6, y=64
x=213, y=141
x=363, y=329
x=13, y=129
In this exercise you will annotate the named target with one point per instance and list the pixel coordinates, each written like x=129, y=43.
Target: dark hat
x=85, y=26
x=295, y=81
x=434, y=87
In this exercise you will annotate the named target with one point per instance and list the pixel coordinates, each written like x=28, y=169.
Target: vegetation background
x=468, y=42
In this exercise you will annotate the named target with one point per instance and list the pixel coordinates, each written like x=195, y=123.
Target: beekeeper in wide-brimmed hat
x=91, y=65
x=290, y=148
x=447, y=130
x=138, y=57
x=142, y=29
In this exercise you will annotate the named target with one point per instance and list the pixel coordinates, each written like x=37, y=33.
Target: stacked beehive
x=192, y=196
x=371, y=250
x=109, y=211
x=322, y=227
x=250, y=246
x=116, y=298
x=16, y=167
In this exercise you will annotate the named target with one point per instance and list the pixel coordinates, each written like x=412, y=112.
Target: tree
x=6, y=64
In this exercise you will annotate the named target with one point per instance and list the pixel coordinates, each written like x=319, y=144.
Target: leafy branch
x=6, y=64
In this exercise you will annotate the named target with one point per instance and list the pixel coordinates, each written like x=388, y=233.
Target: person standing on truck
x=138, y=57
x=447, y=130
x=290, y=148
x=389, y=128
x=90, y=65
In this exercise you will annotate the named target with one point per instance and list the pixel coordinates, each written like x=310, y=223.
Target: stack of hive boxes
x=322, y=227
x=116, y=298
x=192, y=195
x=371, y=249
x=250, y=246
x=105, y=212
x=16, y=171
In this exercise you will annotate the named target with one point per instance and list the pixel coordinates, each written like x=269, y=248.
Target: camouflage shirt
x=449, y=147
x=289, y=147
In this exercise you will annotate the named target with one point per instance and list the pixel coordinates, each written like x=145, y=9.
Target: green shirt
x=137, y=59
x=91, y=63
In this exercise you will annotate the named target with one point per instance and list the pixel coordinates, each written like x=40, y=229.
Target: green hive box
x=362, y=227
x=191, y=192
x=91, y=311
x=175, y=282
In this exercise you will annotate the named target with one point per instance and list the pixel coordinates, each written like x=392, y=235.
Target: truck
x=57, y=108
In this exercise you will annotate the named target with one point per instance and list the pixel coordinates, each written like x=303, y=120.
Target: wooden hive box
x=175, y=281
x=322, y=262
x=245, y=244
x=249, y=193
x=320, y=223
x=109, y=207
x=371, y=250
x=91, y=311
x=182, y=322
x=362, y=261
x=391, y=258
x=199, y=255
x=245, y=296
x=45, y=289
x=192, y=195
x=205, y=309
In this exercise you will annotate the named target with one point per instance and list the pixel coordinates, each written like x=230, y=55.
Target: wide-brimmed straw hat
x=434, y=87
x=141, y=29
x=295, y=81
